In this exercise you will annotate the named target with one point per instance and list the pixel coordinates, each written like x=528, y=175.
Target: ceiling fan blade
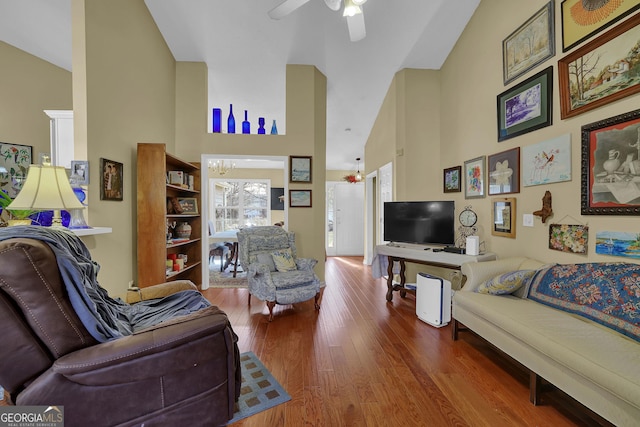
x=355, y=24
x=333, y=4
x=285, y=8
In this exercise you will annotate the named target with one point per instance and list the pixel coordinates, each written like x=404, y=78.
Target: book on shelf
x=176, y=177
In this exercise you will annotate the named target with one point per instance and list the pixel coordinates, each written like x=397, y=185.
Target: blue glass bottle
x=231, y=121
x=246, y=126
x=274, y=128
x=261, y=130
x=217, y=120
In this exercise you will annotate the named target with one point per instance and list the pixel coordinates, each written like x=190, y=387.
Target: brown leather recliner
x=184, y=371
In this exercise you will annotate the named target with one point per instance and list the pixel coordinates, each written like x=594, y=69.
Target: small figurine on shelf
x=170, y=226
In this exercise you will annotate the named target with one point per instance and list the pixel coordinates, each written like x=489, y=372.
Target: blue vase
x=246, y=126
x=274, y=128
x=261, y=130
x=231, y=121
x=217, y=120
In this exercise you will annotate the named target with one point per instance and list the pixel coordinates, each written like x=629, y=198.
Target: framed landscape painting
x=300, y=169
x=529, y=45
x=527, y=106
x=582, y=20
x=602, y=71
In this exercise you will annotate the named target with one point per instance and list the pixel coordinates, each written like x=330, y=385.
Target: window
x=241, y=203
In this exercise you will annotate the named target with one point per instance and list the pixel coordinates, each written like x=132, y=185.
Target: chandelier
x=220, y=167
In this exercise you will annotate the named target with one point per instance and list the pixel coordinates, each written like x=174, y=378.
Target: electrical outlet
x=527, y=220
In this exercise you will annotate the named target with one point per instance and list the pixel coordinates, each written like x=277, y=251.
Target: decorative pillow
x=266, y=259
x=506, y=283
x=283, y=259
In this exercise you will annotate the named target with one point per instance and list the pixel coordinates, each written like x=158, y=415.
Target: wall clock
x=468, y=219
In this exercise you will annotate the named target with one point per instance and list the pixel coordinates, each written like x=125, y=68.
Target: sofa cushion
x=283, y=260
x=607, y=293
x=506, y=283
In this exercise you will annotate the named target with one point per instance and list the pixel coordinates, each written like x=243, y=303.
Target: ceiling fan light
x=351, y=9
x=359, y=2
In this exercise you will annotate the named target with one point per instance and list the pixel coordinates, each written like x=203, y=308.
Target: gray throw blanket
x=104, y=317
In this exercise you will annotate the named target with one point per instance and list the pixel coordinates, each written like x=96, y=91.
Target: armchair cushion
x=266, y=259
x=283, y=259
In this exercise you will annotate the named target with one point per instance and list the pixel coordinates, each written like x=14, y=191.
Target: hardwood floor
x=361, y=361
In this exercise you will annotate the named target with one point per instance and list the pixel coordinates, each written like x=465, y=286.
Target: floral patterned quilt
x=607, y=293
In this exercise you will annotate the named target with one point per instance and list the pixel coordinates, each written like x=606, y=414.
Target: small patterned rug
x=225, y=279
x=259, y=391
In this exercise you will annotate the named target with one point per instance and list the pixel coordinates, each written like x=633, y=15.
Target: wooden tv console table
x=418, y=254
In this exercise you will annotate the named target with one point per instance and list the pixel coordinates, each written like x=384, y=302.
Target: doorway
x=345, y=219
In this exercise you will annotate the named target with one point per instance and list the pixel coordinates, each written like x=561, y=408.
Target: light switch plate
x=527, y=220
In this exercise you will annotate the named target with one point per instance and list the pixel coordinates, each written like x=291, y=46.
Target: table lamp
x=46, y=188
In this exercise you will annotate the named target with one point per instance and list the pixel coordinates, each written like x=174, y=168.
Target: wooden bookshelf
x=153, y=195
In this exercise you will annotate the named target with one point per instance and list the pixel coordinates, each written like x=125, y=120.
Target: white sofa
x=597, y=366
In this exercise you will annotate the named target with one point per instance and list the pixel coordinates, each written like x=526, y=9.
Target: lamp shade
x=46, y=188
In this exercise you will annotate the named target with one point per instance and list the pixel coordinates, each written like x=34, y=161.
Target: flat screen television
x=427, y=222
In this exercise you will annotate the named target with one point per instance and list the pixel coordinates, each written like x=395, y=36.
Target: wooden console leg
x=454, y=329
x=534, y=388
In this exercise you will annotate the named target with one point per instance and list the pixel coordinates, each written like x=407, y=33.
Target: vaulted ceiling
x=246, y=52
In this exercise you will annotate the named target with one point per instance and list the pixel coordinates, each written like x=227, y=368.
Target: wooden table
x=420, y=255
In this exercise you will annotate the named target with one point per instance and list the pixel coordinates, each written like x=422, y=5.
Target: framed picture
x=14, y=164
x=504, y=172
x=547, y=162
x=474, y=178
x=112, y=181
x=530, y=44
x=300, y=169
x=580, y=23
x=300, y=198
x=451, y=179
x=569, y=238
x=617, y=243
x=611, y=166
x=602, y=71
x=189, y=205
x=277, y=198
x=527, y=106
x=80, y=172
x=503, y=217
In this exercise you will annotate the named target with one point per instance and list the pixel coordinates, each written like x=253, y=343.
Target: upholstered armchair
x=274, y=272
x=181, y=370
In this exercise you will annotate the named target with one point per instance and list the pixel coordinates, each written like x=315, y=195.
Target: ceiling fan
x=352, y=10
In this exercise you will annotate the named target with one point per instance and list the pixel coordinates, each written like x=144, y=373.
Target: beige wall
x=28, y=86
x=127, y=83
x=469, y=82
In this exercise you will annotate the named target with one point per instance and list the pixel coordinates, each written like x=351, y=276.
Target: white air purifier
x=433, y=300
x=473, y=245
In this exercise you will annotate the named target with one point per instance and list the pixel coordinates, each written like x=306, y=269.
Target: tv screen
x=429, y=222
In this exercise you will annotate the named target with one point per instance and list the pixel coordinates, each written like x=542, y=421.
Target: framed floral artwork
x=451, y=180
x=474, y=178
x=504, y=172
x=569, y=238
x=14, y=164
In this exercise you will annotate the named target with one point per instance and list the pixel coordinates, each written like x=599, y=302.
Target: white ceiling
x=247, y=52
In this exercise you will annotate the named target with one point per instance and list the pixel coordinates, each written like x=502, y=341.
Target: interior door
x=349, y=219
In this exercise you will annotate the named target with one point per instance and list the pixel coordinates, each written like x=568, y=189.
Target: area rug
x=259, y=391
x=225, y=279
